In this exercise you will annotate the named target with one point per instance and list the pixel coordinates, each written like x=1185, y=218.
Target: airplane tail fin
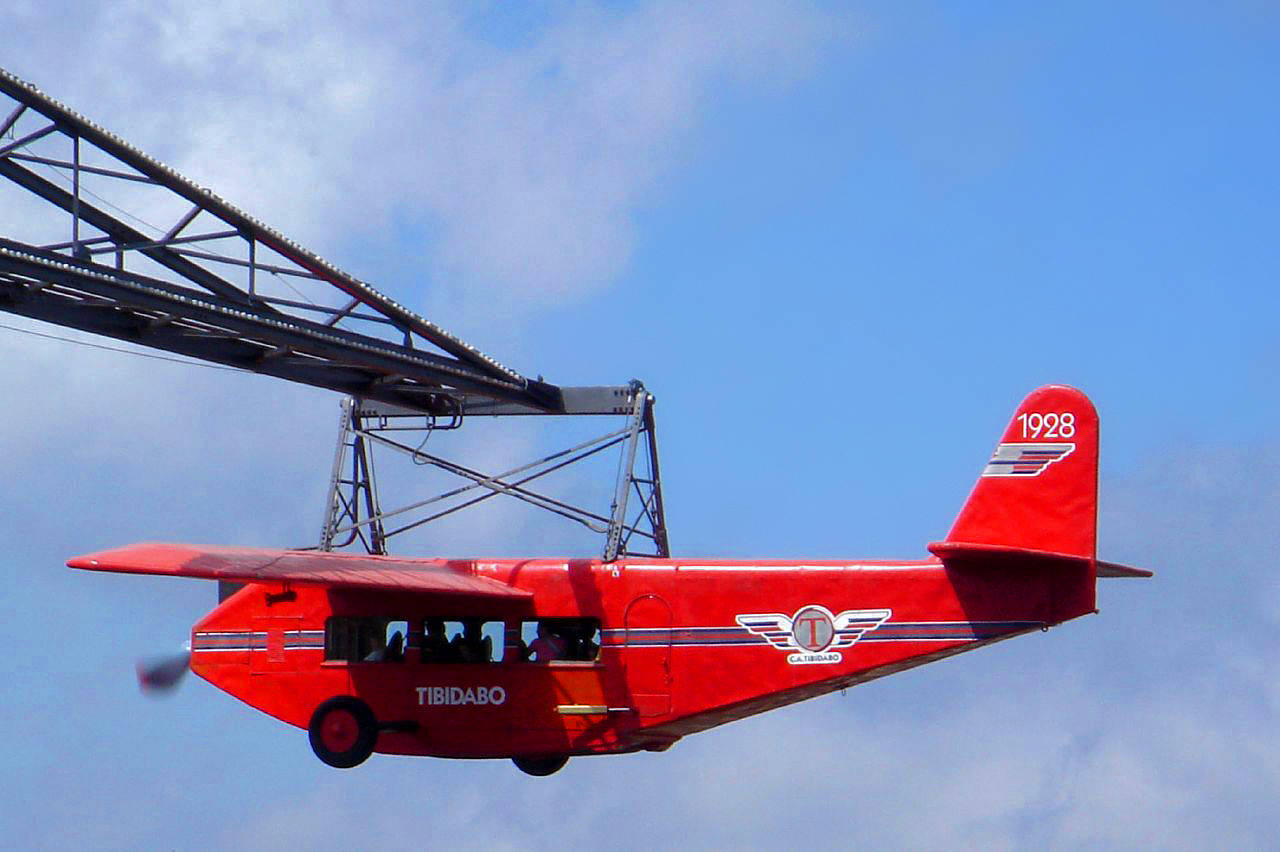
x=1032, y=519
x=1039, y=491
x=1035, y=507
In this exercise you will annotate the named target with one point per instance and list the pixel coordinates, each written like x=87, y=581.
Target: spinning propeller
x=160, y=675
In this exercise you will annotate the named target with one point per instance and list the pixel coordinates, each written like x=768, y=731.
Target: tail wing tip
x=1114, y=569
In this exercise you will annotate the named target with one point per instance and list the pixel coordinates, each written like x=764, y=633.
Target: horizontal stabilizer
x=1005, y=556
x=1111, y=569
x=960, y=551
x=260, y=565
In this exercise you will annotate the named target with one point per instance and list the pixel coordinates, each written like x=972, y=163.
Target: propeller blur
x=161, y=675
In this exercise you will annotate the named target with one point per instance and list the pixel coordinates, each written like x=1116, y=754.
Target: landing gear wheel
x=343, y=732
x=540, y=766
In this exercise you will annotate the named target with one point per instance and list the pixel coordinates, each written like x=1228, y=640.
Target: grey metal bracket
x=354, y=510
x=648, y=489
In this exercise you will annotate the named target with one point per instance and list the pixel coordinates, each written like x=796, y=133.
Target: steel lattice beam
x=215, y=284
x=375, y=348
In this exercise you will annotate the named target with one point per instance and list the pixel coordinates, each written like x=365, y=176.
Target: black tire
x=541, y=767
x=343, y=732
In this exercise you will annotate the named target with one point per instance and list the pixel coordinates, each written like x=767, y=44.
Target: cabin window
x=465, y=640
x=365, y=640
x=549, y=639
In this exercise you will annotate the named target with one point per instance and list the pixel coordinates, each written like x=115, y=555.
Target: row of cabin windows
x=439, y=640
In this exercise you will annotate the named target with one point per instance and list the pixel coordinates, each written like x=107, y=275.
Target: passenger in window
x=470, y=646
x=435, y=645
x=393, y=652
x=547, y=647
x=588, y=649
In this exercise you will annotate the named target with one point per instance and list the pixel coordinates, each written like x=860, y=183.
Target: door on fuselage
x=648, y=655
x=558, y=685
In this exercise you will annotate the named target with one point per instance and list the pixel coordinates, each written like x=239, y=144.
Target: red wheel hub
x=339, y=731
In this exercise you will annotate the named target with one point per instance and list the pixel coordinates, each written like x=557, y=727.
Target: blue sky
x=839, y=243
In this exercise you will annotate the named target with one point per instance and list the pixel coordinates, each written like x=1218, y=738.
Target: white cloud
x=1000, y=772
x=518, y=170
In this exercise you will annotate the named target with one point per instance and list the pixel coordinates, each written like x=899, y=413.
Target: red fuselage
x=683, y=645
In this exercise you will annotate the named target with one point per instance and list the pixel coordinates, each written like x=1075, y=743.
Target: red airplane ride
x=637, y=653
x=535, y=659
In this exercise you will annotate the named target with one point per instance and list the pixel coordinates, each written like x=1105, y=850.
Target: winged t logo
x=813, y=634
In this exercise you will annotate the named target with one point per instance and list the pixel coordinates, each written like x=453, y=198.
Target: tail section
x=1039, y=492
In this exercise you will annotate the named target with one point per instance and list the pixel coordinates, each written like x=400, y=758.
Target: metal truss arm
x=209, y=240
x=212, y=283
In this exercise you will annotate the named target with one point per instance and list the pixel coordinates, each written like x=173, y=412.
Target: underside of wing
x=260, y=565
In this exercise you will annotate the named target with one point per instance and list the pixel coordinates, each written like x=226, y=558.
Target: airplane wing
x=260, y=565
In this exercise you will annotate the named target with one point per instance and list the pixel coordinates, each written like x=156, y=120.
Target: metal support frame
x=648, y=489
x=212, y=283
x=349, y=493
x=365, y=424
